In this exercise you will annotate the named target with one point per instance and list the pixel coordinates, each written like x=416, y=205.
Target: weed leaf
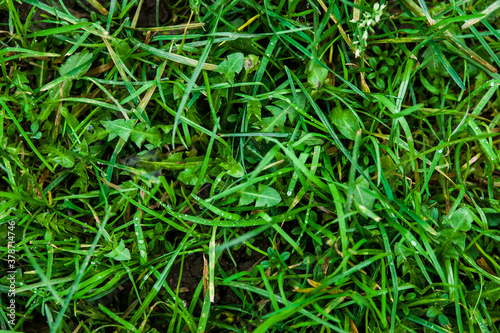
x=231, y=66
x=345, y=121
x=362, y=193
x=281, y=110
x=119, y=127
x=79, y=63
x=59, y=156
x=247, y=196
x=317, y=75
x=267, y=197
x=254, y=108
x=120, y=253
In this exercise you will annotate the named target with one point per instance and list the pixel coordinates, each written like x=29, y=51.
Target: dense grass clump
x=249, y=166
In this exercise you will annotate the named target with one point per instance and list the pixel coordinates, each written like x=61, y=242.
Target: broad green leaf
x=81, y=181
x=433, y=312
x=254, y=109
x=267, y=197
x=74, y=67
x=317, y=75
x=289, y=109
x=153, y=161
x=362, y=193
x=79, y=63
x=231, y=66
x=345, y=121
x=247, y=196
x=141, y=134
x=269, y=124
x=280, y=110
x=232, y=167
x=492, y=291
x=460, y=220
x=60, y=156
x=119, y=127
x=120, y=253
x=189, y=176
x=19, y=79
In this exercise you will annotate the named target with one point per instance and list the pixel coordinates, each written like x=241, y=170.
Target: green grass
x=250, y=166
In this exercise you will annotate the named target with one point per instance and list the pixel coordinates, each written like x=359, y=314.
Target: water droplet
x=440, y=151
x=153, y=66
x=141, y=241
x=481, y=197
x=289, y=193
x=413, y=243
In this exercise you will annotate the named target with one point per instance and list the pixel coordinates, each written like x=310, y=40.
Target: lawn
x=249, y=166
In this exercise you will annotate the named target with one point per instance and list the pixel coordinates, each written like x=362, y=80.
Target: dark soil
x=192, y=274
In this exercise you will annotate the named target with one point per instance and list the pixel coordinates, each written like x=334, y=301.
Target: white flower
x=364, y=27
